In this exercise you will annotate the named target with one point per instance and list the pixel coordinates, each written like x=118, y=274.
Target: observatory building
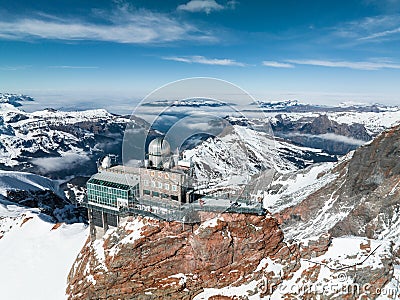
x=160, y=187
x=159, y=154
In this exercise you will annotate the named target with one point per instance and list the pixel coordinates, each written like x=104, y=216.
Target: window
x=166, y=186
x=160, y=185
x=153, y=184
x=146, y=192
x=146, y=182
x=152, y=173
x=174, y=188
x=155, y=194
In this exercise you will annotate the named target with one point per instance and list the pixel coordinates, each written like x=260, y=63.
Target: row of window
x=166, y=175
x=160, y=185
x=102, y=200
x=105, y=195
x=101, y=190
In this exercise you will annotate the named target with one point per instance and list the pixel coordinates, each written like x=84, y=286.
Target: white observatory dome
x=106, y=162
x=159, y=151
x=159, y=147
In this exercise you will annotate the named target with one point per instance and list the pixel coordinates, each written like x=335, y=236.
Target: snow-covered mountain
x=13, y=99
x=375, y=118
x=239, y=153
x=295, y=106
x=360, y=195
x=336, y=130
x=56, y=143
x=22, y=181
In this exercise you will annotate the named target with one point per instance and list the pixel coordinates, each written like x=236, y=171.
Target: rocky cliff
x=363, y=200
x=149, y=259
x=230, y=256
x=322, y=133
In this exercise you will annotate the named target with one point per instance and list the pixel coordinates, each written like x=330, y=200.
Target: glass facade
x=108, y=193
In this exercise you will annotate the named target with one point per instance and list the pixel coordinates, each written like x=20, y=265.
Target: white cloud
x=276, y=64
x=206, y=6
x=123, y=25
x=66, y=162
x=205, y=61
x=370, y=28
x=332, y=137
x=380, y=34
x=357, y=65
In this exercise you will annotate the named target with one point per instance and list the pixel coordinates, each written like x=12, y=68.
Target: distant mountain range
x=59, y=144
x=296, y=106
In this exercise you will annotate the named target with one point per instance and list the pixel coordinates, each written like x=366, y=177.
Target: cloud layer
x=66, y=162
x=123, y=25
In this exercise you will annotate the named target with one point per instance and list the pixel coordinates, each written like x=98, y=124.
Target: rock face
x=364, y=200
x=49, y=203
x=231, y=256
x=149, y=259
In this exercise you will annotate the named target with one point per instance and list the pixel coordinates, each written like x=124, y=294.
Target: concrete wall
x=162, y=182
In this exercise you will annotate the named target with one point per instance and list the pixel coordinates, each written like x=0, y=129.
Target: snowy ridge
x=14, y=99
x=25, y=181
x=39, y=138
x=375, y=122
x=287, y=190
x=236, y=156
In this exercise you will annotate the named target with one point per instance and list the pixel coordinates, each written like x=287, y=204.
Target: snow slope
x=237, y=155
x=290, y=189
x=35, y=255
x=24, y=181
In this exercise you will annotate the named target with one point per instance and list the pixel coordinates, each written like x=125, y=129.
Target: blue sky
x=93, y=51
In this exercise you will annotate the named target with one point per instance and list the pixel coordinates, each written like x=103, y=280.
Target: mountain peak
x=14, y=99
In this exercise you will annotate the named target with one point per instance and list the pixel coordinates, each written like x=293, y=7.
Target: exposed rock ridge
x=149, y=259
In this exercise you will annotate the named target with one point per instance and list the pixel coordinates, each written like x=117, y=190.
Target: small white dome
x=159, y=147
x=106, y=162
x=159, y=152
